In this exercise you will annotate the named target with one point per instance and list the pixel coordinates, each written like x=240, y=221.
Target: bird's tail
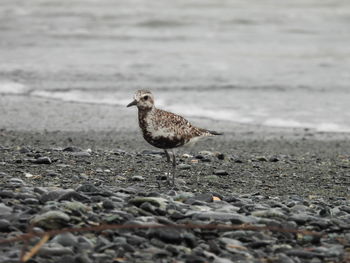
x=215, y=132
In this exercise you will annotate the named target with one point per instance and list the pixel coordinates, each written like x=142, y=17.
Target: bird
x=163, y=129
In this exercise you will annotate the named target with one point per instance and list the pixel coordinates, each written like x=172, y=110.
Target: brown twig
x=35, y=249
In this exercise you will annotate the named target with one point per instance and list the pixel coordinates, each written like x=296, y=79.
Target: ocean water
x=259, y=62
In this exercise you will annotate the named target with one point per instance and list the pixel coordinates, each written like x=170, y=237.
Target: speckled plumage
x=167, y=130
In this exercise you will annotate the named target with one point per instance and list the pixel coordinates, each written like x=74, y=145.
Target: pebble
x=81, y=154
x=5, y=210
x=184, y=166
x=55, y=250
x=4, y=225
x=42, y=160
x=66, y=240
x=220, y=172
x=51, y=220
x=16, y=182
x=137, y=178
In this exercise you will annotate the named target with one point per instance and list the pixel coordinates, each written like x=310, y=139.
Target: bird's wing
x=178, y=125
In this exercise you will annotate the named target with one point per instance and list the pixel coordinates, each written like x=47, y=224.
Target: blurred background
x=258, y=62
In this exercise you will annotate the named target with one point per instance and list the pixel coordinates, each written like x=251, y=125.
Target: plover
x=163, y=129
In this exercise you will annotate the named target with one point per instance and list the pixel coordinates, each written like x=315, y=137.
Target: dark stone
x=52, y=174
x=88, y=188
x=195, y=259
x=4, y=225
x=31, y=201
x=220, y=172
x=108, y=204
x=303, y=254
x=72, y=149
x=261, y=159
x=73, y=195
x=41, y=160
x=169, y=235
x=221, y=156
x=7, y=194
x=273, y=159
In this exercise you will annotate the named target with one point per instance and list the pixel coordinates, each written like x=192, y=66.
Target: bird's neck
x=144, y=113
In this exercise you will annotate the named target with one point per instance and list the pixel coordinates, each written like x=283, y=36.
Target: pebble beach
x=55, y=180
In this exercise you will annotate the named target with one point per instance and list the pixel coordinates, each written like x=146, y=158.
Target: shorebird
x=163, y=129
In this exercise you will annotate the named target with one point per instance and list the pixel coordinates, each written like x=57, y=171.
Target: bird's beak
x=133, y=103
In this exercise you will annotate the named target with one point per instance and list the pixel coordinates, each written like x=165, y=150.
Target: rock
x=16, y=182
x=220, y=156
x=65, y=239
x=108, y=204
x=54, y=250
x=52, y=195
x=222, y=216
x=184, y=166
x=261, y=159
x=5, y=210
x=156, y=201
x=270, y=213
x=169, y=235
x=4, y=225
x=7, y=194
x=70, y=195
x=206, y=197
x=273, y=159
x=220, y=172
x=137, y=178
x=303, y=254
x=51, y=220
x=41, y=160
x=72, y=149
x=81, y=154
x=88, y=188
x=152, y=152
x=24, y=149
x=52, y=174
x=76, y=206
x=2, y=174
x=31, y=201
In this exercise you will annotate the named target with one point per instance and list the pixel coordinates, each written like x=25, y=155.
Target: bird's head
x=143, y=99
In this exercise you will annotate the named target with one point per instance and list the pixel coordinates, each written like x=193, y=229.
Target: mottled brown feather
x=183, y=131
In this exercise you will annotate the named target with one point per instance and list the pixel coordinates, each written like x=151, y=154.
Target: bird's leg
x=167, y=156
x=174, y=166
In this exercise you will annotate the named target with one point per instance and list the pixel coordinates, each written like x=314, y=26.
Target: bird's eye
x=145, y=97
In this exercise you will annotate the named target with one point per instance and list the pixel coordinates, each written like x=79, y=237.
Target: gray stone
x=16, y=182
x=156, y=201
x=5, y=210
x=51, y=219
x=220, y=172
x=31, y=201
x=184, y=166
x=234, y=218
x=270, y=213
x=73, y=195
x=65, y=239
x=4, y=225
x=81, y=154
x=138, y=178
x=108, y=204
x=42, y=160
x=55, y=250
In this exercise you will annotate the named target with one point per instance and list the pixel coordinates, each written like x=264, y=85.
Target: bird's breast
x=158, y=134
